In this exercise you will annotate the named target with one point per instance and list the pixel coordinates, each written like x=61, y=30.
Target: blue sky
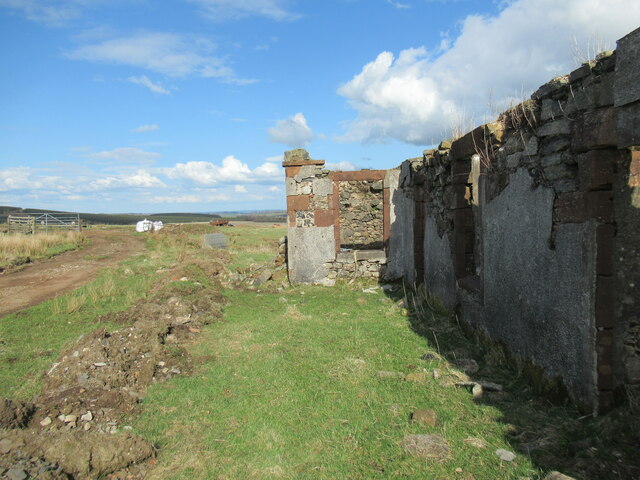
x=188, y=105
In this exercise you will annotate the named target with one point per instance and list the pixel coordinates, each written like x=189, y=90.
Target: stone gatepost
x=311, y=217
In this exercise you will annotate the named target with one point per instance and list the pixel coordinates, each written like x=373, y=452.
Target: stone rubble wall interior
x=527, y=227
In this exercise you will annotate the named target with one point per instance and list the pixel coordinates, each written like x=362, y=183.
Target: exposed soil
x=76, y=427
x=46, y=279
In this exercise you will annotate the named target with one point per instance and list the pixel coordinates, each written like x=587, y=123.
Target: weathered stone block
x=322, y=186
x=627, y=86
x=308, y=172
x=309, y=249
x=391, y=178
x=552, y=87
x=629, y=125
x=552, y=109
x=371, y=256
x=570, y=208
x=324, y=218
x=298, y=202
x=291, y=186
x=595, y=129
x=596, y=169
x=581, y=72
x=561, y=126
x=479, y=141
x=291, y=171
x=299, y=154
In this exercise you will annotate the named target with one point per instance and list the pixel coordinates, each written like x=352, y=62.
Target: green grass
x=32, y=339
x=250, y=244
x=289, y=390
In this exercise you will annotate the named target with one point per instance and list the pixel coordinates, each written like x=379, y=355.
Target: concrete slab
x=308, y=250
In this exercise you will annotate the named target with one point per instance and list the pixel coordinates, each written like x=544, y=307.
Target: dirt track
x=47, y=279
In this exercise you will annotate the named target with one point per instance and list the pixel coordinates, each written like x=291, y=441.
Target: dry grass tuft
x=22, y=246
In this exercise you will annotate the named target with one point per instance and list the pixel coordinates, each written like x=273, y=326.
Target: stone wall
x=361, y=214
x=338, y=222
x=527, y=227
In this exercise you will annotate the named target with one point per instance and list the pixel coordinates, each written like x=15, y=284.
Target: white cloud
x=20, y=178
x=166, y=53
x=292, y=131
x=139, y=179
x=240, y=189
x=344, y=166
x=220, y=10
x=145, y=128
x=398, y=4
x=274, y=189
x=232, y=170
x=419, y=96
x=126, y=155
x=145, y=82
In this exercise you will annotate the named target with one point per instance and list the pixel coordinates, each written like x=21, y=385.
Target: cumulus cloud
x=145, y=128
x=232, y=170
x=145, y=82
x=166, y=53
x=292, y=131
x=139, y=179
x=240, y=189
x=130, y=155
x=220, y=10
x=418, y=96
x=343, y=166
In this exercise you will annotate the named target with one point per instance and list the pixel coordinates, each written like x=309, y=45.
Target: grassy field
x=287, y=383
x=17, y=249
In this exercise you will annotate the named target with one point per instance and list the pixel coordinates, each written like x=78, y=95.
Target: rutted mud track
x=74, y=428
x=47, y=279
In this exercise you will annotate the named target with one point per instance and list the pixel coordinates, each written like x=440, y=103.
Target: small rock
x=87, y=417
x=86, y=427
x=61, y=417
x=436, y=374
x=505, y=455
x=417, y=377
x=558, y=476
x=99, y=364
x=383, y=374
x=70, y=419
x=476, y=442
x=477, y=391
x=161, y=364
x=45, y=421
x=432, y=447
x=458, y=470
x=16, y=474
x=370, y=290
x=5, y=446
x=428, y=356
x=428, y=418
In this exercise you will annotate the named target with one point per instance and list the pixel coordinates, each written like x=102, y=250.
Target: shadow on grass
x=541, y=425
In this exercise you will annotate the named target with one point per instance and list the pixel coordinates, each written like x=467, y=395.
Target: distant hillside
x=115, y=219
x=271, y=216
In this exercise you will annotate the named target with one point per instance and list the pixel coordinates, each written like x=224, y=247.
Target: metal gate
x=44, y=222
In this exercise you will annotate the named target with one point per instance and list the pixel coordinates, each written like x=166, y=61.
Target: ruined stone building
x=527, y=227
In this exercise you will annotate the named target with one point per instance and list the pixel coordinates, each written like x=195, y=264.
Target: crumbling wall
x=338, y=222
x=526, y=226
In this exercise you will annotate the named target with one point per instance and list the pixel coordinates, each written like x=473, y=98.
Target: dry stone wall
x=527, y=227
